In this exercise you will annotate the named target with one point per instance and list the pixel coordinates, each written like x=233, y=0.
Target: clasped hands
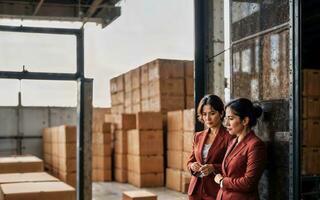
x=205, y=169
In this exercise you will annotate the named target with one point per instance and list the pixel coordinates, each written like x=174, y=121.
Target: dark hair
x=214, y=101
x=243, y=107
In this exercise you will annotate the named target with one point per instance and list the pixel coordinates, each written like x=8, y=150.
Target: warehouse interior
x=143, y=140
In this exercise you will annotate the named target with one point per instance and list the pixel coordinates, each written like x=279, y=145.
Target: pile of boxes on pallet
x=101, y=146
x=22, y=177
x=60, y=152
x=179, y=146
x=159, y=86
x=123, y=123
x=145, y=151
x=311, y=122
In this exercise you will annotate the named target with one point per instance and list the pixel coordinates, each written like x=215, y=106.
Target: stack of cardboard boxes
x=311, y=122
x=61, y=158
x=158, y=86
x=101, y=146
x=145, y=151
x=117, y=94
x=179, y=146
x=24, y=179
x=124, y=122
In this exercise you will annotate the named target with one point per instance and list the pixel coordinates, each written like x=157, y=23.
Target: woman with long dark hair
x=208, y=149
x=245, y=158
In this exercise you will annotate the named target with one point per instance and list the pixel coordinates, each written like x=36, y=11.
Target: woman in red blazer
x=245, y=159
x=208, y=149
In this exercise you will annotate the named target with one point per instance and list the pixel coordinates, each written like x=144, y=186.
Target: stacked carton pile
x=159, y=86
x=117, y=94
x=20, y=164
x=311, y=122
x=61, y=160
x=145, y=151
x=124, y=122
x=34, y=185
x=179, y=145
x=101, y=146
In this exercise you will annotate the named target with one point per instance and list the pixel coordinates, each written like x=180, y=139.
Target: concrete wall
x=27, y=123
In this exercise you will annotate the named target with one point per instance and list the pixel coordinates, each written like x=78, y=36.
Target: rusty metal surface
x=255, y=16
x=260, y=67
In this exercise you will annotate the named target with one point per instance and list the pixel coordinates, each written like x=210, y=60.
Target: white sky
x=146, y=30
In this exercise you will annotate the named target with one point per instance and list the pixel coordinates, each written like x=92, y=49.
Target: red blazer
x=242, y=169
x=215, y=157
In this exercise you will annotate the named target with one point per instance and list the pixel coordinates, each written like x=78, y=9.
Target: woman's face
x=233, y=122
x=210, y=116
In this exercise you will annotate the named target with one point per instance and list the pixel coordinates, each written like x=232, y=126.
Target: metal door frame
x=84, y=102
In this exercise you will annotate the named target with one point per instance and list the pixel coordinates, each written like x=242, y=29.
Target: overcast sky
x=146, y=30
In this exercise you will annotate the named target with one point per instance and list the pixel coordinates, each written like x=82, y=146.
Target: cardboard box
x=128, y=81
x=145, y=164
x=189, y=102
x=101, y=175
x=175, y=120
x=20, y=164
x=144, y=72
x=117, y=84
x=136, y=108
x=146, y=180
x=311, y=82
x=47, y=148
x=144, y=91
x=98, y=120
x=189, y=120
x=117, y=109
x=165, y=69
x=161, y=87
x=101, y=138
x=135, y=78
x=121, y=175
x=136, y=97
x=311, y=136
x=145, y=105
x=70, y=178
x=187, y=140
x=128, y=99
x=173, y=179
x=313, y=107
x=101, y=149
x=166, y=103
x=185, y=181
x=101, y=162
x=121, y=161
x=189, y=86
x=175, y=140
x=145, y=142
x=67, y=134
x=37, y=191
x=67, y=164
x=188, y=69
x=26, y=177
x=67, y=150
x=149, y=121
x=121, y=142
x=138, y=195
x=310, y=161
x=174, y=159
x=125, y=121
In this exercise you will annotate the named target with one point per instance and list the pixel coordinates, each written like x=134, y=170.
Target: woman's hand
x=195, y=167
x=206, y=169
x=218, y=178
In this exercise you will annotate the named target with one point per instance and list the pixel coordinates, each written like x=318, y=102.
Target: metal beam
x=38, y=76
x=38, y=7
x=25, y=29
x=93, y=7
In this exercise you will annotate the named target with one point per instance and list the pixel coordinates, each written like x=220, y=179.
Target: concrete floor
x=113, y=191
